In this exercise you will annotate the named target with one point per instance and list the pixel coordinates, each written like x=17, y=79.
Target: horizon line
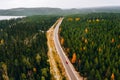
x=61, y=8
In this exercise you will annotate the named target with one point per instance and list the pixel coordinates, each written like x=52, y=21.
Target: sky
x=65, y=4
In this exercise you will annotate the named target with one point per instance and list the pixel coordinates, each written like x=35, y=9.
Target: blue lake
x=10, y=17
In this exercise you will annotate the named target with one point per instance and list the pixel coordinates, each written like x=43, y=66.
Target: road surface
x=72, y=74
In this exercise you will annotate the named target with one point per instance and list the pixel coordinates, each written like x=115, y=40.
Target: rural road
x=71, y=73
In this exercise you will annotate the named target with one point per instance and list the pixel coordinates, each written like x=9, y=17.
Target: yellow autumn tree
x=99, y=49
x=70, y=19
x=86, y=41
x=74, y=58
x=97, y=20
x=84, y=48
x=34, y=69
x=77, y=19
x=118, y=46
x=4, y=74
x=86, y=30
x=2, y=41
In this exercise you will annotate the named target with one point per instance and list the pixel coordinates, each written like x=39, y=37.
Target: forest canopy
x=92, y=43
x=23, y=48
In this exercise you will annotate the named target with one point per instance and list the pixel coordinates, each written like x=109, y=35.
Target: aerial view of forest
x=59, y=39
x=92, y=43
x=23, y=48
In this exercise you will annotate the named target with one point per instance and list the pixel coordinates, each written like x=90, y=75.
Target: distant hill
x=30, y=11
x=56, y=11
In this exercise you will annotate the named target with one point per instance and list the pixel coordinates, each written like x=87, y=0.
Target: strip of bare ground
x=56, y=68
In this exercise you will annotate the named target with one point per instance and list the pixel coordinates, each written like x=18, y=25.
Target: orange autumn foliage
x=74, y=58
x=113, y=40
x=62, y=41
x=112, y=76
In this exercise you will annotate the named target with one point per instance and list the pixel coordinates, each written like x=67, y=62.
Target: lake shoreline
x=2, y=17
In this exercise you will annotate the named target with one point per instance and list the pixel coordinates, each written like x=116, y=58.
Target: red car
x=66, y=62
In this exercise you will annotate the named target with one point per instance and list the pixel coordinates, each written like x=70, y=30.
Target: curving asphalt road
x=71, y=73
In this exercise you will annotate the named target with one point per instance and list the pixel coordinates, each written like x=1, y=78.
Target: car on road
x=66, y=62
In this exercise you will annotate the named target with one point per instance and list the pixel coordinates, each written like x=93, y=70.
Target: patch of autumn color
x=112, y=76
x=97, y=20
x=70, y=19
x=99, y=49
x=2, y=41
x=113, y=40
x=4, y=66
x=86, y=30
x=119, y=36
x=84, y=48
x=86, y=41
x=34, y=69
x=62, y=41
x=4, y=74
x=77, y=19
x=74, y=58
x=118, y=46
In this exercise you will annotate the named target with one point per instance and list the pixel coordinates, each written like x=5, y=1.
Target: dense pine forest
x=23, y=48
x=92, y=43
